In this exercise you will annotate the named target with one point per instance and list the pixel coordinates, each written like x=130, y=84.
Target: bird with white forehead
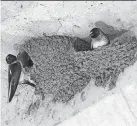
x=99, y=38
x=15, y=72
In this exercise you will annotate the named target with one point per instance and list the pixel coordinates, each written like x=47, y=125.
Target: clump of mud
x=61, y=71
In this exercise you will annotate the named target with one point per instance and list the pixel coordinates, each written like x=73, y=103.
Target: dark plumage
x=24, y=58
x=14, y=73
x=95, y=32
x=82, y=45
x=10, y=58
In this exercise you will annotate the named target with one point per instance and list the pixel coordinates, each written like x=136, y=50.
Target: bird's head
x=10, y=58
x=94, y=33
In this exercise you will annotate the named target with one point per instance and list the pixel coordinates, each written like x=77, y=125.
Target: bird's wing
x=25, y=59
x=14, y=77
x=9, y=77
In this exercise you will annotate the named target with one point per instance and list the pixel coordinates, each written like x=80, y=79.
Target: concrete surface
x=118, y=109
x=22, y=20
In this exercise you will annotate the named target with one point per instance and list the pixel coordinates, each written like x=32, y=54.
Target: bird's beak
x=91, y=34
x=14, y=77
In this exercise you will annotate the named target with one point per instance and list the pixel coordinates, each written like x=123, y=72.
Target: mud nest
x=61, y=71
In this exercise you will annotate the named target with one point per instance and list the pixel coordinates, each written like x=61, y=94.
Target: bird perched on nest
x=99, y=38
x=16, y=65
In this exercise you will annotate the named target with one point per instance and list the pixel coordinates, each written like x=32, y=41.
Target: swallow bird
x=99, y=38
x=16, y=65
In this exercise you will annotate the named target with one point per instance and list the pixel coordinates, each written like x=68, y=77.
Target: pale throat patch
x=98, y=43
x=25, y=76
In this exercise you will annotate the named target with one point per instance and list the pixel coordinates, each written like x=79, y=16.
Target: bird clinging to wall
x=16, y=65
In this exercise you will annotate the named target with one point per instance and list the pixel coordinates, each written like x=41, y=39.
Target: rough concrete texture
x=115, y=110
x=23, y=20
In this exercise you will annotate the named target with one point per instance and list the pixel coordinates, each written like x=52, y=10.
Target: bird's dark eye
x=10, y=58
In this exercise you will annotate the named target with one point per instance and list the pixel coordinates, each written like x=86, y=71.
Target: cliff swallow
x=16, y=65
x=99, y=38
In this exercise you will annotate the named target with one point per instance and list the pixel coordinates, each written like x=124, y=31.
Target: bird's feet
x=28, y=82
